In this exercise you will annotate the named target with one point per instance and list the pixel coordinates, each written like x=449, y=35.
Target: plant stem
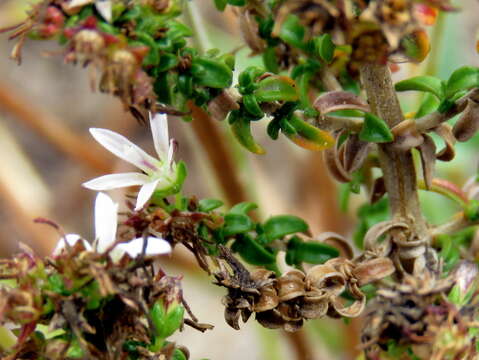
x=397, y=166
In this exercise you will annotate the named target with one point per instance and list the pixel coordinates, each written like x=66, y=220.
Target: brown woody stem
x=397, y=166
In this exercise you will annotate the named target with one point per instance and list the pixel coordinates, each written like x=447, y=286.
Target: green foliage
x=375, y=130
x=424, y=83
x=311, y=252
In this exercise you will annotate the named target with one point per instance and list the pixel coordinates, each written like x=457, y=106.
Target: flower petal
x=134, y=248
x=171, y=152
x=104, y=8
x=77, y=3
x=106, y=222
x=124, y=149
x=145, y=194
x=70, y=239
x=159, y=131
x=115, y=181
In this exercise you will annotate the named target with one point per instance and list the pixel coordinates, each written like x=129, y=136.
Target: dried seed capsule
x=314, y=307
x=373, y=270
x=468, y=123
x=268, y=300
x=325, y=278
x=290, y=285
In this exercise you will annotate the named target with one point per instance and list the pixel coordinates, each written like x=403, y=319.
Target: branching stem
x=397, y=166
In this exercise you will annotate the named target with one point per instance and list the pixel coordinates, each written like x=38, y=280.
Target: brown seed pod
x=290, y=285
x=374, y=233
x=355, y=152
x=333, y=160
x=268, y=299
x=428, y=159
x=445, y=132
x=325, y=278
x=373, y=270
x=353, y=310
x=337, y=241
x=468, y=123
x=406, y=135
x=270, y=319
x=314, y=307
x=339, y=100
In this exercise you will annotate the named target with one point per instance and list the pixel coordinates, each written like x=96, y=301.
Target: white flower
x=106, y=223
x=104, y=7
x=157, y=174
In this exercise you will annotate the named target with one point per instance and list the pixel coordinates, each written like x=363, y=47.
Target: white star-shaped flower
x=161, y=175
x=104, y=7
x=106, y=223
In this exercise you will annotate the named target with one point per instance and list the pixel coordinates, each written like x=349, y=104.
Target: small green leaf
x=178, y=355
x=464, y=78
x=276, y=88
x=236, y=224
x=270, y=60
x=273, y=129
x=292, y=32
x=247, y=78
x=206, y=205
x=455, y=295
x=237, y=2
x=375, y=130
x=309, y=136
x=211, y=73
x=325, y=47
x=241, y=128
x=252, y=252
x=428, y=105
x=429, y=84
x=312, y=252
x=471, y=212
x=243, y=208
x=252, y=106
x=167, y=62
x=279, y=226
x=173, y=321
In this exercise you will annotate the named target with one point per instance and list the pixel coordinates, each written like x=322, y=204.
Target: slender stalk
x=397, y=166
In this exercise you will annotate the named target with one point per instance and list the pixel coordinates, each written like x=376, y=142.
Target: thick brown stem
x=397, y=166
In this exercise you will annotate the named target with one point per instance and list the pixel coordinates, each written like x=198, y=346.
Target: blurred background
x=46, y=108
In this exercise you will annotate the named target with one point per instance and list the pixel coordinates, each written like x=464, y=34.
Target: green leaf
x=248, y=77
x=375, y=130
x=273, y=129
x=270, y=60
x=241, y=128
x=211, y=73
x=276, y=88
x=325, y=47
x=279, y=226
x=292, y=32
x=173, y=321
x=429, y=84
x=252, y=252
x=464, y=78
x=237, y=2
x=312, y=252
x=167, y=62
x=252, y=106
x=309, y=136
x=178, y=355
x=206, y=205
x=243, y=208
x=236, y=224
x=428, y=105
x=471, y=212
